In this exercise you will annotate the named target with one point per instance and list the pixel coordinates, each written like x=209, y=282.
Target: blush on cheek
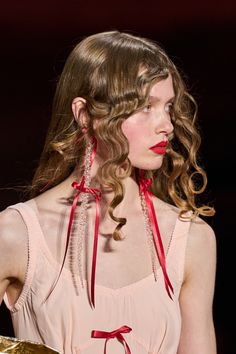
x=132, y=132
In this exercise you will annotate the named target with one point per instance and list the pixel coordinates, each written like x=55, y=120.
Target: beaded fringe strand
x=149, y=234
x=80, y=225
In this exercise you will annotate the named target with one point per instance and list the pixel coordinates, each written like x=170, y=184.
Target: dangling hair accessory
x=144, y=184
x=81, y=188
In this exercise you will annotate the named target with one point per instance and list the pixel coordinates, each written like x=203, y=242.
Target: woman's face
x=148, y=130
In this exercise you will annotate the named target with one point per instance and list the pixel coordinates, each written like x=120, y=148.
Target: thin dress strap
x=177, y=251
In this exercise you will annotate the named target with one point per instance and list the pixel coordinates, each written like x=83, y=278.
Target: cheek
x=132, y=132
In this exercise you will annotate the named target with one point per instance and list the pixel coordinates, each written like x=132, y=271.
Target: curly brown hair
x=114, y=73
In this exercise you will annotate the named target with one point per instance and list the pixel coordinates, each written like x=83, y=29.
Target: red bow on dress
x=114, y=334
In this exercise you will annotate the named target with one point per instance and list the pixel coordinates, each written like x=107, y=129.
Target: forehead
x=163, y=90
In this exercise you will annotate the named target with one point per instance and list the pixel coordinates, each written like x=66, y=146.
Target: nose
x=164, y=124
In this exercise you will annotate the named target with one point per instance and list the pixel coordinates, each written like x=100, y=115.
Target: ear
x=79, y=110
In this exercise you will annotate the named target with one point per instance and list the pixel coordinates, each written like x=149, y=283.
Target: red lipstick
x=160, y=148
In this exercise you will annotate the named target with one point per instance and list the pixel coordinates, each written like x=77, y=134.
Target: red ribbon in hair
x=114, y=334
x=144, y=185
x=80, y=187
x=95, y=192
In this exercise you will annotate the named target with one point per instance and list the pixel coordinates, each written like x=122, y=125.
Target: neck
x=130, y=195
x=130, y=188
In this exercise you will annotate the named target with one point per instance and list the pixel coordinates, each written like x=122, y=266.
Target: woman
x=110, y=246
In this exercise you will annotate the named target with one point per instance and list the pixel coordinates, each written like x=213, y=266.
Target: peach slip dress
x=66, y=320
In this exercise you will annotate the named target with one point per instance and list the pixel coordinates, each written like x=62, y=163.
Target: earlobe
x=79, y=110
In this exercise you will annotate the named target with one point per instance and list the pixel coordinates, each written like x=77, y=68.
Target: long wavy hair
x=114, y=73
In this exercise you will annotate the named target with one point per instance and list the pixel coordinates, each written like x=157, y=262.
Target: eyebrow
x=156, y=99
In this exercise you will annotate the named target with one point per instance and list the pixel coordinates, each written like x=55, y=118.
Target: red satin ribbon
x=144, y=185
x=81, y=188
x=114, y=334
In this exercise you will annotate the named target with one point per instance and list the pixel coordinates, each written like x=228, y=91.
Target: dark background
x=35, y=39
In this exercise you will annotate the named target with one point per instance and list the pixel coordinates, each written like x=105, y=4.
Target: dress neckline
x=35, y=212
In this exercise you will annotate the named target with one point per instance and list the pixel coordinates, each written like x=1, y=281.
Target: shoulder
x=201, y=234
x=14, y=240
x=165, y=208
x=201, y=240
x=201, y=247
x=11, y=223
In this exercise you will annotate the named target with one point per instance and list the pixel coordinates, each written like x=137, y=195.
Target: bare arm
x=13, y=253
x=196, y=297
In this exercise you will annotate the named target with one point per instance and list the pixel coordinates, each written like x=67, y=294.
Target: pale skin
x=143, y=130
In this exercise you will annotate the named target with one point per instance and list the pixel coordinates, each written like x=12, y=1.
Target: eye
x=147, y=108
x=169, y=107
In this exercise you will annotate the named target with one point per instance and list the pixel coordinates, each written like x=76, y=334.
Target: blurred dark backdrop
x=36, y=38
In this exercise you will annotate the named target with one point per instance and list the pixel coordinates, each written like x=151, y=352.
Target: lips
x=160, y=148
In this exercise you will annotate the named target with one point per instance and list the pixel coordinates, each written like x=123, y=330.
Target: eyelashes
x=168, y=108
x=147, y=108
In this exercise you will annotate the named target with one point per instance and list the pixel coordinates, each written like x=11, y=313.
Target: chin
x=149, y=166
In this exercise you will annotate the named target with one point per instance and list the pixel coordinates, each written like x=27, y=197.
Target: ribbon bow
x=114, y=334
x=144, y=185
